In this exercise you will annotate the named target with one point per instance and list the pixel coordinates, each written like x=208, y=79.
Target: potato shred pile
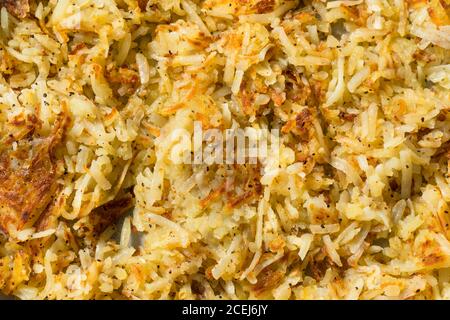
x=354, y=206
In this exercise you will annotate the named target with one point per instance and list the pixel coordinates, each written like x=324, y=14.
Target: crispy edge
x=18, y=8
x=26, y=192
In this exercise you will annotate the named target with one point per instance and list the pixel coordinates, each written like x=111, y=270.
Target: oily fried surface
x=28, y=174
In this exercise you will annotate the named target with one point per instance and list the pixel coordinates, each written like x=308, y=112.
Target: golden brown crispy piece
x=122, y=75
x=104, y=216
x=264, y=6
x=110, y=212
x=124, y=78
x=268, y=279
x=142, y=5
x=28, y=176
x=18, y=8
